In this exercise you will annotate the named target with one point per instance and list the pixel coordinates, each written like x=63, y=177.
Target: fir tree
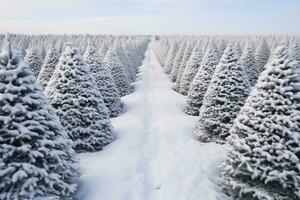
x=227, y=92
x=33, y=60
x=177, y=62
x=187, y=53
x=201, y=81
x=79, y=104
x=48, y=67
x=112, y=61
x=263, y=163
x=104, y=81
x=262, y=55
x=250, y=67
x=190, y=71
x=36, y=156
x=295, y=51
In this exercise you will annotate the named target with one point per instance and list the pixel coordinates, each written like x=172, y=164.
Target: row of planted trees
x=57, y=106
x=245, y=91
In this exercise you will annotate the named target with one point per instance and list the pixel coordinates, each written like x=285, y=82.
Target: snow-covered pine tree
x=171, y=57
x=36, y=156
x=250, y=67
x=262, y=55
x=201, y=81
x=191, y=69
x=294, y=51
x=79, y=104
x=33, y=60
x=112, y=61
x=177, y=62
x=238, y=49
x=263, y=163
x=187, y=53
x=227, y=92
x=104, y=81
x=51, y=60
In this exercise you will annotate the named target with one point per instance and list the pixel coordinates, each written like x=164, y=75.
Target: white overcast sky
x=151, y=16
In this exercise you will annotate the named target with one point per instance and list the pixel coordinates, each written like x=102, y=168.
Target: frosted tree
x=295, y=51
x=262, y=55
x=177, y=62
x=112, y=61
x=250, y=67
x=201, y=81
x=36, y=156
x=48, y=67
x=170, y=58
x=33, y=60
x=187, y=53
x=79, y=104
x=263, y=162
x=227, y=92
x=191, y=69
x=238, y=50
x=104, y=81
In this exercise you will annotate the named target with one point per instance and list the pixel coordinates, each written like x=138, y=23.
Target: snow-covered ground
x=155, y=156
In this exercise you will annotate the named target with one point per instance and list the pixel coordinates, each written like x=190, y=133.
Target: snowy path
x=154, y=156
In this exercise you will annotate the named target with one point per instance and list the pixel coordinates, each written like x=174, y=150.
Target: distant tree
x=34, y=60
x=227, y=92
x=36, y=156
x=104, y=81
x=79, y=104
x=262, y=55
x=177, y=62
x=187, y=53
x=51, y=60
x=170, y=58
x=112, y=61
x=191, y=69
x=263, y=163
x=201, y=81
x=250, y=67
x=295, y=51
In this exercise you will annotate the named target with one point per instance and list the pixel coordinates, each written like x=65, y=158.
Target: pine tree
x=112, y=61
x=263, y=163
x=51, y=60
x=201, y=81
x=191, y=69
x=104, y=81
x=227, y=92
x=250, y=67
x=295, y=51
x=177, y=62
x=262, y=55
x=170, y=58
x=79, y=104
x=36, y=156
x=33, y=60
x=187, y=53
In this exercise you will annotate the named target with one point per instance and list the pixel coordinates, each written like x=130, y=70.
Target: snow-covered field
x=155, y=156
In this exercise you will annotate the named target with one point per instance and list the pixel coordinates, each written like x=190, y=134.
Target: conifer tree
x=262, y=55
x=104, y=81
x=112, y=61
x=33, y=60
x=51, y=60
x=250, y=67
x=79, y=104
x=170, y=58
x=177, y=62
x=187, y=53
x=295, y=51
x=227, y=92
x=263, y=162
x=201, y=81
x=191, y=69
x=36, y=156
